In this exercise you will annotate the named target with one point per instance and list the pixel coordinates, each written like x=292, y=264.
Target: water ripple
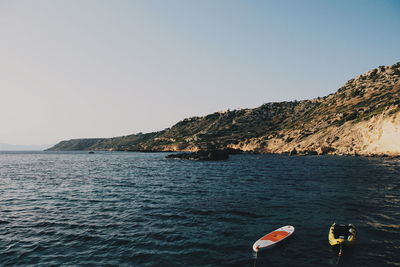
x=132, y=209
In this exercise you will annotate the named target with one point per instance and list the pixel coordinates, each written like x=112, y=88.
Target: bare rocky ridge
x=361, y=118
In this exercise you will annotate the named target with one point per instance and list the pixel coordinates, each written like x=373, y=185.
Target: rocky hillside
x=362, y=117
x=124, y=143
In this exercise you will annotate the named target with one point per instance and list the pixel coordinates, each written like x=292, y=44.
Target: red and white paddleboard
x=273, y=238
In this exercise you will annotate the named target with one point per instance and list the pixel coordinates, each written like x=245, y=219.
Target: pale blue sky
x=72, y=69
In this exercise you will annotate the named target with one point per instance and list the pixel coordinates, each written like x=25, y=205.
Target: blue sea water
x=140, y=209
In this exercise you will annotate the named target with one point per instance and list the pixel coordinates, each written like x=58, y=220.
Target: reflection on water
x=134, y=209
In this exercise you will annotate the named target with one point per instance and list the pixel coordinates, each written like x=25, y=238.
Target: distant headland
x=361, y=118
x=12, y=147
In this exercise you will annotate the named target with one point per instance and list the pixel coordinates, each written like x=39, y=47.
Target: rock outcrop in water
x=212, y=155
x=361, y=118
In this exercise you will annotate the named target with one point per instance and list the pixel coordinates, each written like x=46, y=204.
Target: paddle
x=340, y=254
x=255, y=259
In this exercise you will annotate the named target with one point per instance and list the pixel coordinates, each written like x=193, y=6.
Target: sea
x=141, y=209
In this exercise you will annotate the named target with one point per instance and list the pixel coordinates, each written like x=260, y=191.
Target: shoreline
x=239, y=152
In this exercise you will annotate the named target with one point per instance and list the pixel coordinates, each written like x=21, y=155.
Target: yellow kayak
x=342, y=235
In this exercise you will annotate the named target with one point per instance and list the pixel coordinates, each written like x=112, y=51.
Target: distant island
x=11, y=147
x=361, y=118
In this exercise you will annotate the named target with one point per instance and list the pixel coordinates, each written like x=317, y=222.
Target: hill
x=361, y=118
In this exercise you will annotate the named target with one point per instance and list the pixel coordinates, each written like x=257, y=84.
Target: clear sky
x=73, y=69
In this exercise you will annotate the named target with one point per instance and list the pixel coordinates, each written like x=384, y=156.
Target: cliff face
x=376, y=136
x=362, y=117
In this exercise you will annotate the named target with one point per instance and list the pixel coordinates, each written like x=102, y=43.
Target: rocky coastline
x=207, y=155
x=362, y=118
